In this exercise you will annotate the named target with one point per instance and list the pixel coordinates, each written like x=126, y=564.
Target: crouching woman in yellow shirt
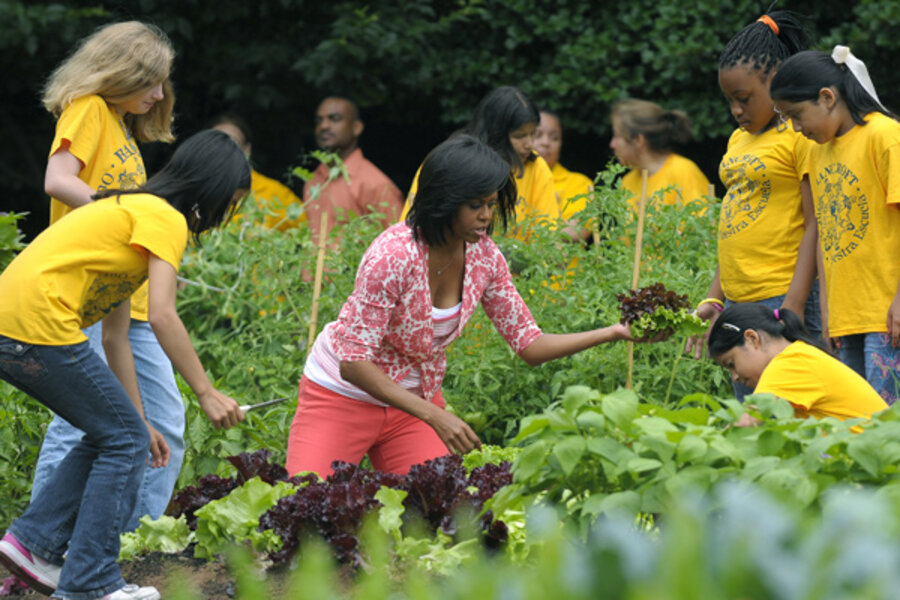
x=82, y=269
x=772, y=353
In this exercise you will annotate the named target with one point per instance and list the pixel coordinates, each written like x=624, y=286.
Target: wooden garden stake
x=317, y=284
x=636, y=272
x=711, y=192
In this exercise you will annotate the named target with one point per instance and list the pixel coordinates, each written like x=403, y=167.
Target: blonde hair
x=663, y=129
x=116, y=62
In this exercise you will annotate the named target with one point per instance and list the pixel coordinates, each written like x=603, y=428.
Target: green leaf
x=759, y=466
x=608, y=448
x=655, y=425
x=235, y=517
x=791, y=484
x=529, y=462
x=166, y=534
x=530, y=425
x=568, y=452
x=770, y=442
x=690, y=448
x=591, y=419
x=577, y=396
x=663, y=448
x=640, y=465
x=628, y=502
x=867, y=452
x=391, y=512
x=620, y=406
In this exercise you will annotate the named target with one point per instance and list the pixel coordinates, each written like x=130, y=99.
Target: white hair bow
x=842, y=56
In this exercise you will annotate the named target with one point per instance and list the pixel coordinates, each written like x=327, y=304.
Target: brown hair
x=663, y=129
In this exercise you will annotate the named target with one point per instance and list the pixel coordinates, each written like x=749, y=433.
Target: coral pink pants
x=328, y=426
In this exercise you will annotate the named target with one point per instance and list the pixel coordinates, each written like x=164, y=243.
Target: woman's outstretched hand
x=453, y=431
x=623, y=332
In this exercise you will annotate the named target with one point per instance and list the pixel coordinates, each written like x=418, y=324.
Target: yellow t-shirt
x=761, y=220
x=818, y=385
x=97, y=136
x=690, y=182
x=83, y=266
x=275, y=197
x=537, y=199
x=855, y=182
x=568, y=186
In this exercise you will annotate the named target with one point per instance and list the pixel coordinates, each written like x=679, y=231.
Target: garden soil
x=209, y=580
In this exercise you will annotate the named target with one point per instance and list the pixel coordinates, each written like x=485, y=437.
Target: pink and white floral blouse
x=387, y=319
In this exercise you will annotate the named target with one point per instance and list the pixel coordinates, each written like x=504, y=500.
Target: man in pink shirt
x=338, y=128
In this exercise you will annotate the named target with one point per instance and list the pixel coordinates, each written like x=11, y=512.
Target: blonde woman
x=111, y=92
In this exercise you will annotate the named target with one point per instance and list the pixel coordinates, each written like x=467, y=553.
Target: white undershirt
x=324, y=368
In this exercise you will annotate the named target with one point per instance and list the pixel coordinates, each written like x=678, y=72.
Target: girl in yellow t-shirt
x=855, y=179
x=770, y=351
x=644, y=136
x=80, y=270
x=506, y=120
x=571, y=188
x=767, y=226
x=269, y=194
x=112, y=92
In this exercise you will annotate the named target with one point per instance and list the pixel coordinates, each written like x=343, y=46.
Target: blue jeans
x=87, y=500
x=163, y=407
x=812, y=318
x=872, y=356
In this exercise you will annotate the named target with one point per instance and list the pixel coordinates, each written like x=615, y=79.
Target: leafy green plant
x=734, y=541
x=10, y=237
x=592, y=454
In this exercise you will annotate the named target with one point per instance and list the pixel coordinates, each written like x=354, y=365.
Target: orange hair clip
x=770, y=22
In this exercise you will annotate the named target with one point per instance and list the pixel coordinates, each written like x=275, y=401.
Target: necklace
x=445, y=267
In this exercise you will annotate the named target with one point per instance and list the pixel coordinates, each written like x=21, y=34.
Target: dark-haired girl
x=372, y=382
x=80, y=270
x=856, y=186
x=771, y=352
x=767, y=225
x=645, y=136
x=506, y=120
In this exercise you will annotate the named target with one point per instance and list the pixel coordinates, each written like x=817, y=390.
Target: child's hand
x=747, y=421
x=696, y=343
x=893, y=322
x=221, y=410
x=159, y=449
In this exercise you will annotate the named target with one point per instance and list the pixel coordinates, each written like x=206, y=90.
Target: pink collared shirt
x=388, y=320
x=369, y=190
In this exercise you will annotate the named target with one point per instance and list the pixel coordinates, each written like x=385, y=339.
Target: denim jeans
x=163, y=407
x=812, y=318
x=872, y=356
x=88, y=499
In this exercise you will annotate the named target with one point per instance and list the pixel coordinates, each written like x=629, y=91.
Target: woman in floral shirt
x=372, y=383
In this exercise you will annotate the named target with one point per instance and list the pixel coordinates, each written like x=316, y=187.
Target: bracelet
x=718, y=304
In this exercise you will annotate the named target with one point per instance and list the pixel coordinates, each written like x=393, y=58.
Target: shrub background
x=416, y=68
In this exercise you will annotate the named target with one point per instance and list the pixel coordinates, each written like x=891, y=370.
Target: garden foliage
x=592, y=454
x=736, y=541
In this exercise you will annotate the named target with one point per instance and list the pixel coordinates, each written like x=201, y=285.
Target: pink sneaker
x=39, y=574
x=133, y=592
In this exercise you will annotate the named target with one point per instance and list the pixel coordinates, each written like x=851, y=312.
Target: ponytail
x=801, y=77
x=765, y=43
x=728, y=330
x=663, y=129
